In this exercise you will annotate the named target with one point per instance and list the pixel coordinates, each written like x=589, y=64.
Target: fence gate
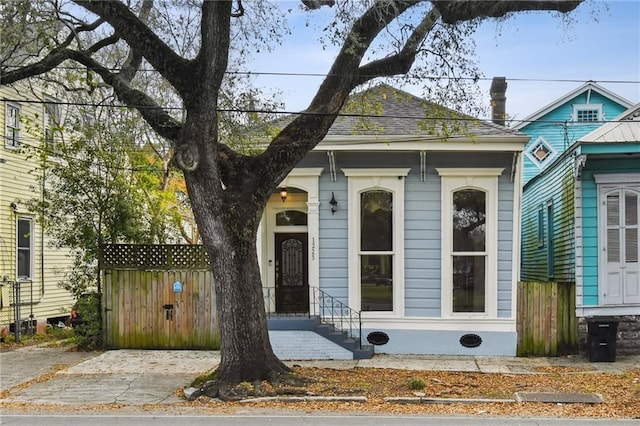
x=158, y=297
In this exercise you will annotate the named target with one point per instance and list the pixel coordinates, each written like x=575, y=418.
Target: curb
x=306, y=399
x=421, y=400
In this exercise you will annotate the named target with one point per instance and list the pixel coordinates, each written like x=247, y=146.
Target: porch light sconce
x=334, y=204
x=283, y=194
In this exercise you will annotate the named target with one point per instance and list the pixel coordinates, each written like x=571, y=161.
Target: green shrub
x=88, y=327
x=416, y=384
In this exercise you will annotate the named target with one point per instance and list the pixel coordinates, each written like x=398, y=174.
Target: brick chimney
x=498, y=93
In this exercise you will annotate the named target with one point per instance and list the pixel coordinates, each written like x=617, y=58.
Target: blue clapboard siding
x=555, y=186
x=590, y=218
x=333, y=252
x=422, y=244
x=560, y=132
x=422, y=211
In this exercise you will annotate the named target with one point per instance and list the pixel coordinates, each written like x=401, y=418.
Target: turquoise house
x=581, y=204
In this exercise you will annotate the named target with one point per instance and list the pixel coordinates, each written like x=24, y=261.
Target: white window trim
x=583, y=107
x=31, y=247
x=8, y=106
x=389, y=180
x=541, y=164
x=486, y=180
x=49, y=122
x=606, y=183
x=306, y=179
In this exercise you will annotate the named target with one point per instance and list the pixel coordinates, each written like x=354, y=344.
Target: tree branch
x=305, y=131
x=401, y=62
x=56, y=56
x=133, y=61
x=454, y=11
x=140, y=38
x=153, y=114
x=212, y=59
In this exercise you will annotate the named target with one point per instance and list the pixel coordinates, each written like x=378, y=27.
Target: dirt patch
x=621, y=392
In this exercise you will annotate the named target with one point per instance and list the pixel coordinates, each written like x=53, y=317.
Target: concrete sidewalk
x=134, y=377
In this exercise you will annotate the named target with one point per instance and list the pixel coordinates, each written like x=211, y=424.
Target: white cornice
x=376, y=172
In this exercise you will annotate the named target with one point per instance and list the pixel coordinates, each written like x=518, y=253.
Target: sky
x=542, y=57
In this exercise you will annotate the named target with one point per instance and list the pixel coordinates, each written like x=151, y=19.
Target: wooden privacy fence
x=158, y=297
x=546, y=319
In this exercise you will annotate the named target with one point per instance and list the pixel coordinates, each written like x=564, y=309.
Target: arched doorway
x=288, y=243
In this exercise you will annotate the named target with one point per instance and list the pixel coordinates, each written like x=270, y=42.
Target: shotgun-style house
x=30, y=269
x=580, y=209
x=406, y=214
x=556, y=126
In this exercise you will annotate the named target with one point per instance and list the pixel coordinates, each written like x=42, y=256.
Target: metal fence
x=16, y=307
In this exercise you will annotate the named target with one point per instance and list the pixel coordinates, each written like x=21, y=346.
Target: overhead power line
x=284, y=112
x=426, y=77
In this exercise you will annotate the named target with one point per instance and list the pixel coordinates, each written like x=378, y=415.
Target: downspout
x=42, y=212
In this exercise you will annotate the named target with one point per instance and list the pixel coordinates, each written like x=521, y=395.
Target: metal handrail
x=338, y=314
x=328, y=309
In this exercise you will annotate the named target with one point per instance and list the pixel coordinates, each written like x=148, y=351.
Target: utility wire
x=274, y=112
x=307, y=74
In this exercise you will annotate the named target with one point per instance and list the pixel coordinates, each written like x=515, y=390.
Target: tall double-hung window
x=469, y=241
x=12, y=125
x=51, y=121
x=376, y=240
x=24, y=248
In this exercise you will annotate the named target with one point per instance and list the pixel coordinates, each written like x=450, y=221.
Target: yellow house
x=30, y=268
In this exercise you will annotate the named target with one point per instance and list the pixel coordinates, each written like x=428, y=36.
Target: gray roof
x=624, y=128
x=384, y=112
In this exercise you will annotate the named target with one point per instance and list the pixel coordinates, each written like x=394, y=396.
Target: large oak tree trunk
x=229, y=235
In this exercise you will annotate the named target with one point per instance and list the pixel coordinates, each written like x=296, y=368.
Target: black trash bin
x=601, y=339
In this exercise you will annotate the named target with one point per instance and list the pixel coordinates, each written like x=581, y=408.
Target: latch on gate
x=168, y=312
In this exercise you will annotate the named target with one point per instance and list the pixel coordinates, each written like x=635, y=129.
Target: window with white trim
x=376, y=250
x=51, y=120
x=469, y=241
x=618, y=238
x=469, y=249
x=376, y=240
x=12, y=125
x=24, y=248
x=587, y=113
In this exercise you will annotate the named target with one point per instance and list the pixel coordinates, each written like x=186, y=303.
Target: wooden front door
x=291, y=269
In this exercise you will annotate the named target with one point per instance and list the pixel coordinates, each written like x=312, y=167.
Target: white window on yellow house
x=51, y=120
x=12, y=125
x=24, y=248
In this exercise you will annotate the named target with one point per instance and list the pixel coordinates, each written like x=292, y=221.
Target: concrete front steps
x=303, y=338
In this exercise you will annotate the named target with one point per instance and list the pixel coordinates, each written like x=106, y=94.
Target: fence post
x=16, y=310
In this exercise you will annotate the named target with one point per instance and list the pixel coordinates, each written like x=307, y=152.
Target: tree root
x=287, y=383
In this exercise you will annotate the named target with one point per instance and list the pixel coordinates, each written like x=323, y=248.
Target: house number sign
x=177, y=287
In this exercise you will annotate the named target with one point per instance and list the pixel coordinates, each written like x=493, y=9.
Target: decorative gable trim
x=566, y=98
x=541, y=152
